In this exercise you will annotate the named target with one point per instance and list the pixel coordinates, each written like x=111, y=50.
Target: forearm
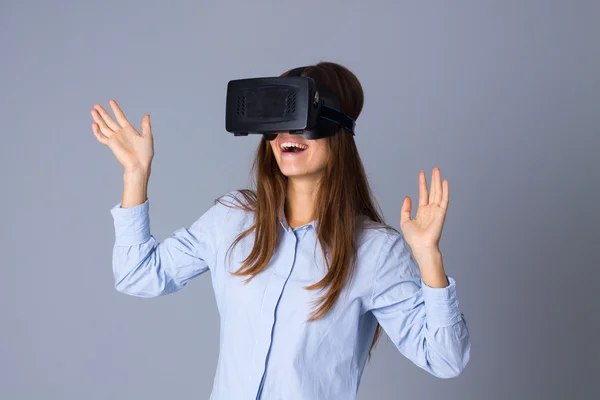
x=135, y=189
x=431, y=266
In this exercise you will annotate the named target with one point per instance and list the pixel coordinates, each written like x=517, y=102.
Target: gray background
x=504, y=96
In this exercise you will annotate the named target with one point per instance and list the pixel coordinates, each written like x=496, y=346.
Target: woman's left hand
x=423, y=233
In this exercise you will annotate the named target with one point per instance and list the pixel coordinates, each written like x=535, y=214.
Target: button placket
x=273, y=294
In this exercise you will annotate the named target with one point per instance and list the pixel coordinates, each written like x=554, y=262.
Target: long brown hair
x=342, y=196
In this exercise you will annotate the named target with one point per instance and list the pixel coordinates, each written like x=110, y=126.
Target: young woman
x=305, y=272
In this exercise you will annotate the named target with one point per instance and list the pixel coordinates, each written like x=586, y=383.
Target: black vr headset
x=293, y=104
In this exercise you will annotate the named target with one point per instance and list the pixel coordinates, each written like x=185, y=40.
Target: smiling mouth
x=293, y=148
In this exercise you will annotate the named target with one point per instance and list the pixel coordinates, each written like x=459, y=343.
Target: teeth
x=292, y=144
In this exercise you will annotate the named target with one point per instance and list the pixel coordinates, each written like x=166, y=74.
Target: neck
x=300, y=201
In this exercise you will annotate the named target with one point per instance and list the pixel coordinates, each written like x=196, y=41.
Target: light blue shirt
x=267, y=349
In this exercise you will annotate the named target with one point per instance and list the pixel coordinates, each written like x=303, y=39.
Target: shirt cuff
x=132, y=225
x=441, y=305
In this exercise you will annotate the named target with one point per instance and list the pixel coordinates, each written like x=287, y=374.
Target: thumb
x=405, y=211
x=146, y=128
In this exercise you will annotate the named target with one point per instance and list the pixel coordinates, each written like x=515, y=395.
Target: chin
x=292, y=173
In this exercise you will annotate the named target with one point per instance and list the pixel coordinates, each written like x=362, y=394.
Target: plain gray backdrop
x=503, y=96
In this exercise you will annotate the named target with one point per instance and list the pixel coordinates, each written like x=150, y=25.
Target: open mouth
x=293, y=147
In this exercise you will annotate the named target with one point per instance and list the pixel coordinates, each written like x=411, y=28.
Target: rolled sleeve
x=132, y=224
x=441, y=304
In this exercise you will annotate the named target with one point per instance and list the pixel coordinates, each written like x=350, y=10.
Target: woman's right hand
x=132, y=150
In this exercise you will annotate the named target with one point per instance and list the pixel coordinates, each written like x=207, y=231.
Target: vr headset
x=293, y=104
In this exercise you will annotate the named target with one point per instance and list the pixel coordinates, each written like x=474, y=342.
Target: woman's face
x=298, y=156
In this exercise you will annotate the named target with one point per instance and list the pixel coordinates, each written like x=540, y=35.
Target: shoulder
x=372, y=233
x=232, y=209
x=387, y=260
x=381, y=257
x=239, y=199
x=382, y=246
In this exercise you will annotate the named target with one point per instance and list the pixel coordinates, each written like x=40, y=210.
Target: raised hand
x=132, y=150
x=423, y=233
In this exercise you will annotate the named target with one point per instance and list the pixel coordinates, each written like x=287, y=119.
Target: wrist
x=426, y=253
x=136, y=173
x=431, y=265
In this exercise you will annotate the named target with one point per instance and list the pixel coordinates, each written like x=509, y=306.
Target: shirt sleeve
x=144, y=267
x=424, y=323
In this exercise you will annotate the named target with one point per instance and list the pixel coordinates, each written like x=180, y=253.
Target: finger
x=106, y=117
x=405, y=211
x=119, y=114
x=146, y=128
x=422, y=189
x=101, y=138
x=437, y=182
x=446, y=195
x=433, y=187
x=102, y=125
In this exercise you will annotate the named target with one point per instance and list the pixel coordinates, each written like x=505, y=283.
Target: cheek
x=320, y=152
x=323, y=147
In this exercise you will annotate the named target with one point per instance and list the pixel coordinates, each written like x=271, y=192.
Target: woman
x=305, y=272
